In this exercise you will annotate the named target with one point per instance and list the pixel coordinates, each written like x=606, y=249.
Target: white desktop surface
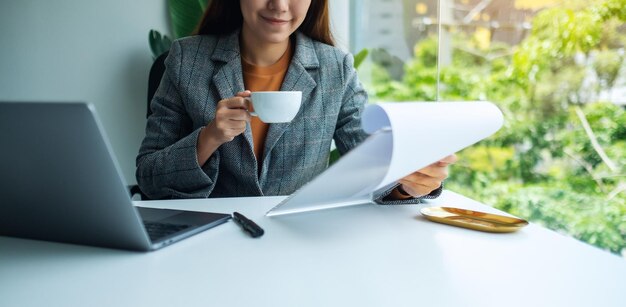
x=365, y=255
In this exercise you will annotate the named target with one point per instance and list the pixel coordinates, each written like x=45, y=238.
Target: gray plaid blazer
x=202, y=70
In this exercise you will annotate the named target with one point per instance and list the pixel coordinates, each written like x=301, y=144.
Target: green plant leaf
x=204, y=4
x=334, y=156
x=185, y=15
x=360, y=57
x=158, y=43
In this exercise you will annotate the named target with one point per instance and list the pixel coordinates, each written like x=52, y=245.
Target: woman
x=200, y=139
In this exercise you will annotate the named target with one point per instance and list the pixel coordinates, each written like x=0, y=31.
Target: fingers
x=451, y=159
x=418, y=184
x=234, y=114
x=428, y=179
x=435, y=170
x=237, y=102
x=416, y=190
x=232, y=123
x=234, y=108
x=245, y=93
x=231, y=118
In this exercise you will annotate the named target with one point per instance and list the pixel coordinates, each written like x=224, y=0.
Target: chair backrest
x=154, y=79
x=156, y=74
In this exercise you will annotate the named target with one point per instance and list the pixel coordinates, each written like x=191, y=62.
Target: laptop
x=59, y=181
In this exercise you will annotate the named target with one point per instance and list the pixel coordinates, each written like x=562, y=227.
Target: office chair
x=156, y=74
x=154, y=79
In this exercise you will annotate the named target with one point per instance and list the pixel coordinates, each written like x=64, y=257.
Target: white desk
x=356, y=256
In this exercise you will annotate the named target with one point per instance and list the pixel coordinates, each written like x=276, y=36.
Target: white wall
x=83, y=50
x=93, y=51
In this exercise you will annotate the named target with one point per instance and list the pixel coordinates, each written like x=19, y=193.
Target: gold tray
x=473, y=219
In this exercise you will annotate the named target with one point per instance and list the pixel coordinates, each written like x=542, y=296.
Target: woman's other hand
x=428, y=179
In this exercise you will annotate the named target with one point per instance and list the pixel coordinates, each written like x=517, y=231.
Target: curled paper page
x=405, y=137
x=425, y=132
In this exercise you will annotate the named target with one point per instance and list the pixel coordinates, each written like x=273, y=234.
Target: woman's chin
x=275, y=38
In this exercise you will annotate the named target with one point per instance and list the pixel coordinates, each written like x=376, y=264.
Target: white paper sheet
x=405, y=137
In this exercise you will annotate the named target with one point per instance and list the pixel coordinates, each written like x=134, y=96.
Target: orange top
x=267, y=78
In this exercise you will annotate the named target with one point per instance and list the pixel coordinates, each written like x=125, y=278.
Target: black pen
x=249, y=226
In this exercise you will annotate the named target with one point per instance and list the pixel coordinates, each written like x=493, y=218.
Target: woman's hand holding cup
x=231, y=117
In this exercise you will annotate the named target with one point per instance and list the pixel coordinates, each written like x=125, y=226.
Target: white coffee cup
x=275, y=107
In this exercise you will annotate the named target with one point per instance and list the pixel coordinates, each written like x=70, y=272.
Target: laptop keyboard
x=159, y=230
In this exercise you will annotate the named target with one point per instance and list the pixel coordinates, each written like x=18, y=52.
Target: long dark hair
x=224, y=16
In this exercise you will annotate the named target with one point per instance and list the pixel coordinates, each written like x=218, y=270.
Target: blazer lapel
x=296, y=79
x=228, y=79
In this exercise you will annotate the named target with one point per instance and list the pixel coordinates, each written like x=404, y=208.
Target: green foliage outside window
x=560, y=159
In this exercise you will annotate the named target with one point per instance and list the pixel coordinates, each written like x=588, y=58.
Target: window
x=555, y=68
